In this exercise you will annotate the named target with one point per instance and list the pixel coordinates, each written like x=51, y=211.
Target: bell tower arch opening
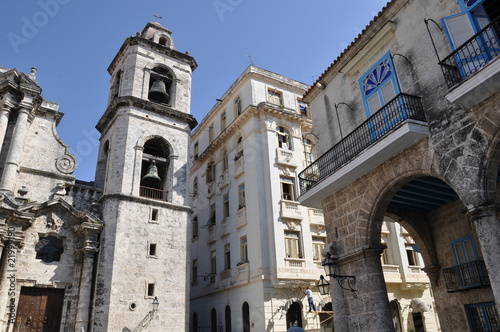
x=155, y=169
x=160, y=85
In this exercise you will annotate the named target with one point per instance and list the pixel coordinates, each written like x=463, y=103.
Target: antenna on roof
x=250, y=59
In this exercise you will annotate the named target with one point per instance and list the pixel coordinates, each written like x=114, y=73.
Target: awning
x=211, y=220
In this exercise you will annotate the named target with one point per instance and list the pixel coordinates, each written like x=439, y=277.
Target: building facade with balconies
x=253, y=245
x=408, y=121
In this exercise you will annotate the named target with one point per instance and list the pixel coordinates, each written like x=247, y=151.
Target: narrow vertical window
x=210, y=172
x=284, y=141
x=154, y=214
x=194, y=276
x=292, y=244
x=227, y=257
x=239, y=149
x=195, y=227
x=243, y=249
x=237, y=107
x=241, y=196
x=195, y=150
x=213, y=265
x=195, y=187
x=211, y=134
x=225, y=161
x=225, y=210
x=319, y=243
x=223, y=121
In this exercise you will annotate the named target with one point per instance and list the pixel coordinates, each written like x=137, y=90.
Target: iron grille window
x=483, y=317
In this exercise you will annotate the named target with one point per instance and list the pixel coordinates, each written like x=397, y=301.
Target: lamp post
x=330, y=267
x=156, y=304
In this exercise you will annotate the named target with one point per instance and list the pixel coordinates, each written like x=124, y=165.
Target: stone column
x=4, y=120
x=488, y=232
x=14, y=155
x=83, y=308
x=370, y=311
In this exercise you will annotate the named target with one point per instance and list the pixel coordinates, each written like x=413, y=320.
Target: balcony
x=239, y=167
x=396, y=126
x=316, y=217
x=160, y=195
x=472, y=71
x=466, y=276
x=392, y=273
x=211, y=235
x=295, y=262
x=225, y=228
x=224, y=180
x=290, y=210
x=241, y=218
x=285, y=157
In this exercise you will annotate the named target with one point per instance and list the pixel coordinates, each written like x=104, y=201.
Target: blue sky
x=72, y=43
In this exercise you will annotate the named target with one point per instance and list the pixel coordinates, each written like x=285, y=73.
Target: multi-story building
x=103, y=255
x=254, y=247
x=416, y=140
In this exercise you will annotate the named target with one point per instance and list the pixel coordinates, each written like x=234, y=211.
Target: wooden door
x=39, y=310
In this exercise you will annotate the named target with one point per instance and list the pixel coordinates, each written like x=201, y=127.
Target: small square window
x=151, y=289
x=152, y=249
x=154, y=215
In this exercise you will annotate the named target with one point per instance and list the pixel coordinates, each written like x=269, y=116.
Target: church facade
x=109, y=255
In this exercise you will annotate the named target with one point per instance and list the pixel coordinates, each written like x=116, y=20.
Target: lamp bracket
x=349, y=281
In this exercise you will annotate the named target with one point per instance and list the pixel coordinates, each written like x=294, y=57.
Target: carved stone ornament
x=66, y=164
x=292, y=224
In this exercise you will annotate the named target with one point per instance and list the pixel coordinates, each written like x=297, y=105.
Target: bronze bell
x=158, y=92
x=152, y=179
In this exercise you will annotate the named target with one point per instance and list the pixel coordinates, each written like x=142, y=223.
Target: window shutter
x=388, y=92
x=458, y=28
x=374, y=103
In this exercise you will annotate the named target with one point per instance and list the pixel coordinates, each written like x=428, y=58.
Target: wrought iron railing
x=472, y=55
x=160, y=195
x=465, y=276
x=390, y=116
x=483, y=316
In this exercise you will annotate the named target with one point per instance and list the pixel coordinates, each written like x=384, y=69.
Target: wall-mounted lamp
x=320, y=85
x=156, y=304
x=338, y=120
x=323, y=286
x=330, y=270
x=315, y=136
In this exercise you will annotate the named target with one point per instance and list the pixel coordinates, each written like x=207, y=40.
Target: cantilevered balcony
x=465, y=276
x=397, y=125
x=472, y=71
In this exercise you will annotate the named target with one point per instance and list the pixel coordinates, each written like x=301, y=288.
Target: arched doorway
x=246, y=317
x=294, y=315
x=213, y=321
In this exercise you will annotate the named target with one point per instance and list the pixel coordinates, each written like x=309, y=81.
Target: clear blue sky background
x=72, y=43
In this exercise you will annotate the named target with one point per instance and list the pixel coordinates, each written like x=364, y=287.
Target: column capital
x=485, y=209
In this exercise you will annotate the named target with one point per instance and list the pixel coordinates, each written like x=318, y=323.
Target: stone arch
x=490, y=169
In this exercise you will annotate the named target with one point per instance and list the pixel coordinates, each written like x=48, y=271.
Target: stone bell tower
x=143, y=171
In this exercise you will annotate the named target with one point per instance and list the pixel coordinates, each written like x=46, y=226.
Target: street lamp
x=323, y=286
x=156, y=304
x=330, y=266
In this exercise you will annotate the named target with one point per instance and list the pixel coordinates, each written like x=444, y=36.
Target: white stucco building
x=254, y=247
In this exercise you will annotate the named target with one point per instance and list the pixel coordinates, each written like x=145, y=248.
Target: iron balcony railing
x=465, y=276
x=160, y=195
x=472, y=55
x=390, y=116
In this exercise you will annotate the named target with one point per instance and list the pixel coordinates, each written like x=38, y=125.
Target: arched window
x=154, y=171
x=228, y=319
x=195, y=322
x=163, y=41
x=396, y=320
x=213, y=321
x=284, y=141
x=160, y=84
x=239, y=149
x=246, y=317
x=115, y=88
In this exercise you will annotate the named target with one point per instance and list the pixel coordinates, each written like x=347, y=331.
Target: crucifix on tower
x=158, y=17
